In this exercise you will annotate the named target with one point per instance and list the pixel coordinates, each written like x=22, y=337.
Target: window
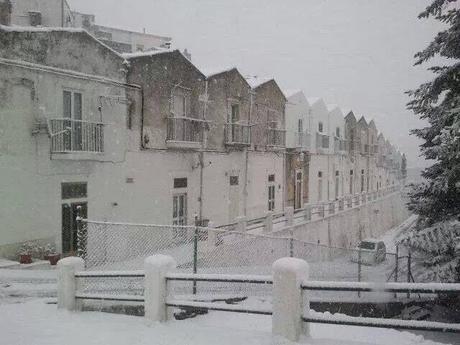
x=35, y=18
x=180, y=182
x=179, y=211
x=271, y=197
x=337, y=132
x=320, y=127
x=320, y=185
x=351, y=182
x=362, y=180
x=179, y=105
x=234, y=181
x=74, y=190
x=271, y=192
x=72, y=105
x=300, y=126
x=235, y=113
x=337, y=183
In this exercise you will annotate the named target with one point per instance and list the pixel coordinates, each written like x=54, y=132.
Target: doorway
x=69, y=225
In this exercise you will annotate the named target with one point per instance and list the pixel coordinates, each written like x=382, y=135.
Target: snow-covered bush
x=439, y=249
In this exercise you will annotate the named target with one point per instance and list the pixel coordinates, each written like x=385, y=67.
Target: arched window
x=320, y=127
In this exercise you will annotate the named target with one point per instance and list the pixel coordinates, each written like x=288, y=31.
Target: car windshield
x=367, y=245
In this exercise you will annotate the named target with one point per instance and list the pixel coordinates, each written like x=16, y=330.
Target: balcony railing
x=69, y=136
x=302, y=140
x=184, y=130
x=237, y=134
x=339, y=145
x=276, y=137
x=322, y=141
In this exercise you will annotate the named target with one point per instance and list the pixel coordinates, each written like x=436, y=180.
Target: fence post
x=241, y=224
x=307, y=213
x=155, y=290
x=195, y=252
x=291, y=244
x=409, y=273
x=289, y=214
x=268, y=226
x=67, y=283
x=288, y=304
x=396, y=266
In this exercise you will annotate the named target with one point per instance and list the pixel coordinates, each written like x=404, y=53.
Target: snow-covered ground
x=38, y=323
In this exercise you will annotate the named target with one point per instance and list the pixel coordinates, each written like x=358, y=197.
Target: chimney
x=187, y=54
x=5, y=12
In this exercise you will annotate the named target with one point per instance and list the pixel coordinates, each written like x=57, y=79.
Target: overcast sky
x=355, y=53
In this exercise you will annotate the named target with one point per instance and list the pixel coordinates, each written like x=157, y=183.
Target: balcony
x=237, y=134
x=322, y=142
x=76, y=139
x=184, y=132
x=302, y=140
x=276, y=138
x=340, y=146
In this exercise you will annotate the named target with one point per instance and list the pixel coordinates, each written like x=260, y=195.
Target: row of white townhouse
x=144, y=137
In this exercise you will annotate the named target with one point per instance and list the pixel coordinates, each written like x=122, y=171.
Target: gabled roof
x=313, y=100
x=292, y=92
x=332, y=107
x=350, y=116
x=153, y=54
x=57, y=30
x=363, y=121
x=213, y=73
x=380, y=136
x=256, y=81
x=372, y=124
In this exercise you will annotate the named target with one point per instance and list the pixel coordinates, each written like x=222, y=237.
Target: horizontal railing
x=239, y=134
x=276, y=137
x=322, y=141
x=69, y=135
x=184, y=129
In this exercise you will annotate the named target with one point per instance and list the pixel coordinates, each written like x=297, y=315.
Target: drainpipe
x=201, y=153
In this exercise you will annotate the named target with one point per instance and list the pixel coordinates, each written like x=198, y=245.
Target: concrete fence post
x=268, y=224
x=307, y=211
x=67, y=283
x=288, y=303
x=155, y=290
x=241, y=224
x=289, y=214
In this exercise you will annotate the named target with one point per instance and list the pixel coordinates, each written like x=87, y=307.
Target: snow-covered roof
x=152, y=52
x=331, y=107
x=209, y=72
x=291, y=92
x=313, y=100
x=255, y=81
x=17, y=28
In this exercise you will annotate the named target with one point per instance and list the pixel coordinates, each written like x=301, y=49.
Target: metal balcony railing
x=322, y=141
x=69, y=135
x=237, y=134
x=276, y=137
x=302, y=139
x=185, y=129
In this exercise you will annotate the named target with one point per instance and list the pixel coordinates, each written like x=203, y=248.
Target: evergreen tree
x=438, y=102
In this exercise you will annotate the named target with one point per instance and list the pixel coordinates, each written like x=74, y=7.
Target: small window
x=75, y=190
x=271, y=178
x=300, y=126
x=180, y=182
x=235, y=113
x=337, y=132
x=337, y=173
x=320, y=174
x=320, y=127
x=351, y=172
x=299, y=176
x=362, y=171
x=234, y=181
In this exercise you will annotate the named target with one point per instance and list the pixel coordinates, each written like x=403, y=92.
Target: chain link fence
x=120, y=246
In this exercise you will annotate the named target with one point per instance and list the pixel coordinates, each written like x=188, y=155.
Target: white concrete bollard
x=241, y=224
x=289, y=214
x=155, y=290
x=288, y=304
x=67, y=283
x=268, y=223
